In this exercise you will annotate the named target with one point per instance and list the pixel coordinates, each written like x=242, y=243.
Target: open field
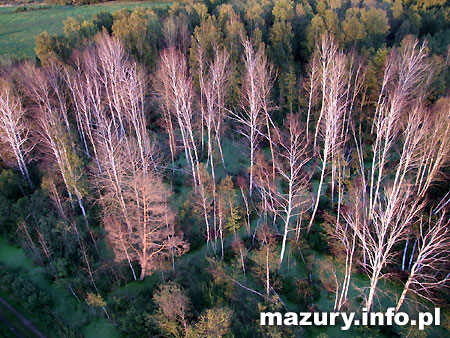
x=18, y=30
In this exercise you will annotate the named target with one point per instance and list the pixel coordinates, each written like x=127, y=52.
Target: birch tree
x=290, y=193
x=213, y=83
x=87, y=98
x=14, y=131
x=251, y=118
x=391, y=206
x=205, y=202
x=378, y=236
x=433, y=250
x=406, y=78
x=114, y=123
x=174, y=87
x=214, y=86
x=44, y=87
x=434, y=152
x=347, y=239
x=334, y=73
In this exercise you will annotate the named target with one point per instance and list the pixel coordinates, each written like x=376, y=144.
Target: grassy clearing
x=18, y=30
x=100, y=328
x=14, y=257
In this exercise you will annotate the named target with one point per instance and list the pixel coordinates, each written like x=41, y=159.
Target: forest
x=173, y=172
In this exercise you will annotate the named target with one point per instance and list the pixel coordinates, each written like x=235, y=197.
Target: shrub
x=20, y=9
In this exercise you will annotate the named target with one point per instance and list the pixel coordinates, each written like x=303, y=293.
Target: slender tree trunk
x=373, y=286
x=412, y=255
x=403, y=295
x=221, y=233
x=325, y=155
x=286, y=226
x=252, y=159
x=404, y=254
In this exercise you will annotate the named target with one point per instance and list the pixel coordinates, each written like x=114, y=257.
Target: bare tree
x=112, y=65
x=112, y=121
x=378, y=236
x=14, y=130
x=265, y=257
x=390, y=204
x=143, y=228
x=406, y=78
x=174, y=87
x=119, y=160
x=341, y=160
x=214, y=86
x=251, y=118
x=44, y=87
x=434, y=152
x=266, y=77
x=221, y=76
x=266, y=186
x=205, y=204
x=115, y=161
x=433, y=251
x=123, y=84
x=164, y=92
x=291, y=156
x=213, y=89
x=87, y=98
x=334, y=73
x=80, y=102
x=153, y=235
x=347, y=239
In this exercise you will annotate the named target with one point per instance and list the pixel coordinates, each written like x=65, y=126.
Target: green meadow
x=18, y=30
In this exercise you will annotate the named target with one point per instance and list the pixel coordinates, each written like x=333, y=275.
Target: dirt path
x=25, y=322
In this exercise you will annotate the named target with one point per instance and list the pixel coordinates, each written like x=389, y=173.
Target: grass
x=14, y=257
x=18, y=30
x=100, y=328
